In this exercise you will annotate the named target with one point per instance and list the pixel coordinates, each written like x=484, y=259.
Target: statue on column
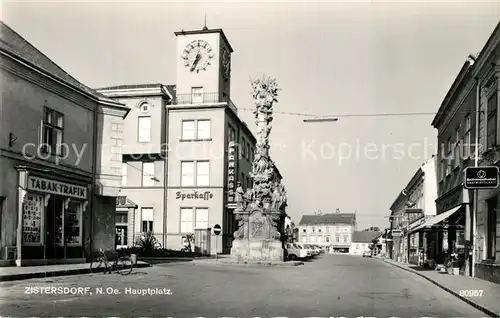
x=238, y=196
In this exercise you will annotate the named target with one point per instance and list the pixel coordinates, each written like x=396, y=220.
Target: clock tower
x=203, y=62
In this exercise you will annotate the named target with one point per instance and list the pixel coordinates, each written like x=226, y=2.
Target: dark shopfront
x=446, y=232
x=51, y=215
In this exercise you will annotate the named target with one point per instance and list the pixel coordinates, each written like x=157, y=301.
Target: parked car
x=308, y=250
x=367, y=253
x=295, y=251
x=315, y=250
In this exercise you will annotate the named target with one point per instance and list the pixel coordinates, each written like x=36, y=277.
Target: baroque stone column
x=259, y=210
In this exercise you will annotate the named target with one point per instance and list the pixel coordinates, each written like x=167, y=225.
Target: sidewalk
x=488, y=302
x=26, y=272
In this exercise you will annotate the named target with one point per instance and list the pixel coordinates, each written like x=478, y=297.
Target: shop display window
x=32, y=219
x=72, y=223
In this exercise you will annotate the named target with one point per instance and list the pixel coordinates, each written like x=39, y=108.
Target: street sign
x=217, y=229
x=481, y=177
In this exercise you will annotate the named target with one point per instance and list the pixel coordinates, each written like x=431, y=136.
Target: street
x=333, y=285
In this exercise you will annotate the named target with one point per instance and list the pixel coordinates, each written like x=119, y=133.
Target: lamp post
x=320, y=120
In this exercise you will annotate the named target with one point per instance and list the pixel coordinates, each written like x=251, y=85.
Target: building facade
x=186, y=149
x=60, y=160
x=332, y=231
x=470, y=224
x=411, y=209
x=144, y=160
x=363, y=241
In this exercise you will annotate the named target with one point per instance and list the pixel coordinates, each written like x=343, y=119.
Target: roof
x=171, y=88
x=205, y=30
x=331, y=218
x=365, y=236
x=14, y=44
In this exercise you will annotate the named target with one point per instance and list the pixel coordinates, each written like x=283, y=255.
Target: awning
x=438, y=218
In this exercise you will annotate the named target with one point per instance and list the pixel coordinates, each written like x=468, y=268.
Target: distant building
x=361, y=241
x=414, y=205
x=332, y=231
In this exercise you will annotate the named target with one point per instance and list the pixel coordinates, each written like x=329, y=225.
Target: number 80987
x=471, y=292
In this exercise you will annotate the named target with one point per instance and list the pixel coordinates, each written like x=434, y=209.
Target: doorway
x=54, y=247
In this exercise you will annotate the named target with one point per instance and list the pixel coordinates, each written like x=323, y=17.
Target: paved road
x=334, y=285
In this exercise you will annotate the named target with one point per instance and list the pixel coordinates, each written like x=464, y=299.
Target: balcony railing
x=203, y=99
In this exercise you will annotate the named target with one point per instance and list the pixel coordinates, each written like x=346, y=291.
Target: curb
x=267, y=264
x=468, y=301
x=67, y=272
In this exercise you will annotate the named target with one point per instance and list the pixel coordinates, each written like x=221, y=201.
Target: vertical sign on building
x=231, y=171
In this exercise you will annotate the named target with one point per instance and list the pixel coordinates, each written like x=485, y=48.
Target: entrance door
x=54, y=228
x=121, y=236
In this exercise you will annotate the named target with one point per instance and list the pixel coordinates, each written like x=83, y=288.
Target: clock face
x=226, y=64
x=197, y=55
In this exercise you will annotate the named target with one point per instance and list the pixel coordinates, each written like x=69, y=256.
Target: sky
x=329, y=58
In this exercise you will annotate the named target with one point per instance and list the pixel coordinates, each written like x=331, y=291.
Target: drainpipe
x=476, y=191
x=91, y=204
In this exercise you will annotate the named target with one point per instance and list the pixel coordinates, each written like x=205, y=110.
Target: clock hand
x=195, y=60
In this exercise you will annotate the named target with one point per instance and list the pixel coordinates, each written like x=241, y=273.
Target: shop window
x=72, y=223
x=491, y=223
x=32, y=219
x=201, y=218
x=147, y=219
x=186, y=220
x=52, y=132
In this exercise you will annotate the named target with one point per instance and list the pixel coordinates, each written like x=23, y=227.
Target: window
x=202, y=173
x=248, y=151
x=201, y=218
x=456, y=154
x=52, y=132
x=186, y=220
x=190, y=169
x=320, y=239
x=231, y=133
x=248, y=182
x=121, y=217
x=243, y=147
x=124, y=174
x=346, y=239
x=197, y=95
x=243, y=180
x=327, y=239
x=314, y=229
x=195, y=129
x=467, y=136
x=448, y=155
x=252, y=155
x=338, y=239
x=304, y=231
x=304, y=239
x=491, y=125
x=147, y=219
x=72, y=226
x=144, y=129
x=148, y=174
x=313, y=239
x=187, y=173
x=491, y=223
x=319, y=230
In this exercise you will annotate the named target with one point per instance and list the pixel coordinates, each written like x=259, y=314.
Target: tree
x=372, y=228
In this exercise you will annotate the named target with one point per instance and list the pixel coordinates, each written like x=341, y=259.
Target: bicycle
x=122, y=264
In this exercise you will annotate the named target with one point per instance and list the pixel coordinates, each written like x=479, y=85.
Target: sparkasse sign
x=481, y=177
